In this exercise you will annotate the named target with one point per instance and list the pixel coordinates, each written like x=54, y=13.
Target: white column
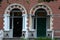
x=1, y=34
x=25, y=25
x=52, y=34
x=6, y=22
x=24, y=21
x=26, y=36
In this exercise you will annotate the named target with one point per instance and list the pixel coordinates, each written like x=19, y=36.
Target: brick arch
x=15, y=5
x=48, y=10
x=43, y=6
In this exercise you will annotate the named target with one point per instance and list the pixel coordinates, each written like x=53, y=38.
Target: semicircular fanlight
x=41, y=12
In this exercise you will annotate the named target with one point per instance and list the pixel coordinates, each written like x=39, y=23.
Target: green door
x=41, y=27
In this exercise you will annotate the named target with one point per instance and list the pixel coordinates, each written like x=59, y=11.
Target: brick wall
x=53, y=5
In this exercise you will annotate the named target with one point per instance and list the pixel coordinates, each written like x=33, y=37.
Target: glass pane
x=34, y=23
x=10, y=23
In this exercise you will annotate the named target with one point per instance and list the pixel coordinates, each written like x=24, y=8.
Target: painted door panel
x=41, y=27
x=17, y=30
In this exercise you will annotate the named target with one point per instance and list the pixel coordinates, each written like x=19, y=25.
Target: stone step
x=12, y=38
x=17, y=39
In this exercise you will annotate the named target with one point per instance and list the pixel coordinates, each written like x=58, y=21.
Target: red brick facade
x=53, y=5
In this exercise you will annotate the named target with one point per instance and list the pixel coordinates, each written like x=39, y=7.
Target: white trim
x=51, y=22
x=6, y=22
x=1, y=33
x=24, y=22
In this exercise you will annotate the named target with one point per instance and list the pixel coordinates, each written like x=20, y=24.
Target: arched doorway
x=16, y=22
x=40, y=22
x=15, y=18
